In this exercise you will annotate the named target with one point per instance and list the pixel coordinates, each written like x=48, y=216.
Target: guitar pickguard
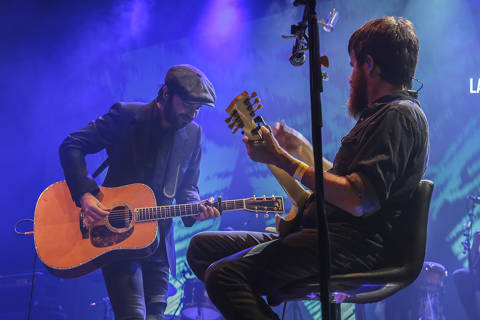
x=102, y=237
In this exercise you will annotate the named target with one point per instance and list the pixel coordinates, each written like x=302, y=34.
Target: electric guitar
x=70, y=249
x=242, y=116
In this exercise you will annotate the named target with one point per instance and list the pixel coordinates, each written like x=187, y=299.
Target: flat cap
x=191, y=84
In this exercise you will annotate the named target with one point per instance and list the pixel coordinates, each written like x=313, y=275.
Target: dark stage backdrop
x=64, y=63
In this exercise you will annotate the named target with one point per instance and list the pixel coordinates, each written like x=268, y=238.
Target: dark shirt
x=384, y=157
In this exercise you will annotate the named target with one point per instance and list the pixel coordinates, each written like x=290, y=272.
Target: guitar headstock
x=242, y=115
x=265, y=204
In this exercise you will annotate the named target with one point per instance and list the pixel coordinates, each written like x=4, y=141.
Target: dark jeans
x=138, y=288
x=467, y=285
x=239, y=267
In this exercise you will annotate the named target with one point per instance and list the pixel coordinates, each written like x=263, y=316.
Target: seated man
x=467, y=281
x=375, y=172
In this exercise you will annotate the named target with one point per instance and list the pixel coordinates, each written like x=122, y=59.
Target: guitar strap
x=102, y=167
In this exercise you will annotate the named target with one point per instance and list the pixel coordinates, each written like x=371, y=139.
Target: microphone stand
x=316, y=88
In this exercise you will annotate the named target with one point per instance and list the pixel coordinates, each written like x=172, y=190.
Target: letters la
x=472, y=89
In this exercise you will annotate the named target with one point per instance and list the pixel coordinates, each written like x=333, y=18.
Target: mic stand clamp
x=297, y=31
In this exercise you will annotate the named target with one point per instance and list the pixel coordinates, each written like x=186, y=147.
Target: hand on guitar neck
x=207, y=211
x=93, y=209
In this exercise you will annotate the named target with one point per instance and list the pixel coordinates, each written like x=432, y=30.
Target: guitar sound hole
x=120, y=217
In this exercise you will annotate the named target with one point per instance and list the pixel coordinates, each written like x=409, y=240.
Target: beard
x=176, y=120
x=358, y=100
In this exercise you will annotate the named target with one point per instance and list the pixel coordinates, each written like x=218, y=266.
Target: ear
x=162, y=94
x=373, y=69
x=369, y=62
x=165, y=92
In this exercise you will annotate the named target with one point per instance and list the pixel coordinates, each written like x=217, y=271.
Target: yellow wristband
x=300, y=171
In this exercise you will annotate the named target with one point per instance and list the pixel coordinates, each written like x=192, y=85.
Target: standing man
x=155, y=143
x=375, y=172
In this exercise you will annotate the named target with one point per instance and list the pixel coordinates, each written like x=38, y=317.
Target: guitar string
x=119, y=215
x=179, y=210
x=159, y=217
x=187, y=207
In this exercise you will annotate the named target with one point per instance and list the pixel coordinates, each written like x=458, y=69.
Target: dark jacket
x=129, y=133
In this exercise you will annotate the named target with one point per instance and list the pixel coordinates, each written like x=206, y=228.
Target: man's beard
x=170, y=115
x=358, y=100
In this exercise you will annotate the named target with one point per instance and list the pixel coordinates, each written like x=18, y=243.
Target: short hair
x=393, y=45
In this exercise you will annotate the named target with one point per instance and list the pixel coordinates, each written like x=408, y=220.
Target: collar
x=386, y=99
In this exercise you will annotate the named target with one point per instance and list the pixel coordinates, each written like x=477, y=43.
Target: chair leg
x=335, y=311
x=284, y=308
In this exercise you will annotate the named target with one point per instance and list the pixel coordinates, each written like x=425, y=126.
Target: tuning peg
x=231, y=125
x=235, y=130
x=259, y=106
x=228, y=119
x=254, y=94
x=257, y=100
x=324, y=61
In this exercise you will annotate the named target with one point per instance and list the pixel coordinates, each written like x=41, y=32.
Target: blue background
x=64, y=63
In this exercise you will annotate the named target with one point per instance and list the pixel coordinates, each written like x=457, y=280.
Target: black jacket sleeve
x=96, y=136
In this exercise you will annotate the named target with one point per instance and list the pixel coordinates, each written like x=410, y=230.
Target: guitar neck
x=184, y=210
x=291, y=186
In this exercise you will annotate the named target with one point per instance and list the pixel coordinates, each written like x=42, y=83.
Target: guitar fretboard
x=183, y=210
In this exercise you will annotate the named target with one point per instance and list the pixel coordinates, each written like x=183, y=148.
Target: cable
x=22, y=233
x=31, y=290
x=34, y=263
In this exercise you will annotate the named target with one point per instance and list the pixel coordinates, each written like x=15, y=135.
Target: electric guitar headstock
x=242, y=112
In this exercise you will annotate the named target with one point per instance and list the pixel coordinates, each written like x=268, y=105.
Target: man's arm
x=91, y=139
x=338, y=190
x=296, y=144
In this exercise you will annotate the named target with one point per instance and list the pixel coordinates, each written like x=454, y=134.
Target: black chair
x=376, y=285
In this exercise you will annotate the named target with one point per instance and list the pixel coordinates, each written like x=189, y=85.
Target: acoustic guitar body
x=68, y=249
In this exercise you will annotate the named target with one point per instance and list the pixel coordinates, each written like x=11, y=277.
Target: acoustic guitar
x=242, y=111
x=69, y=249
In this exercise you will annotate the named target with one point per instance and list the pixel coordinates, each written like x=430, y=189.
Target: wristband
x=300, y=171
